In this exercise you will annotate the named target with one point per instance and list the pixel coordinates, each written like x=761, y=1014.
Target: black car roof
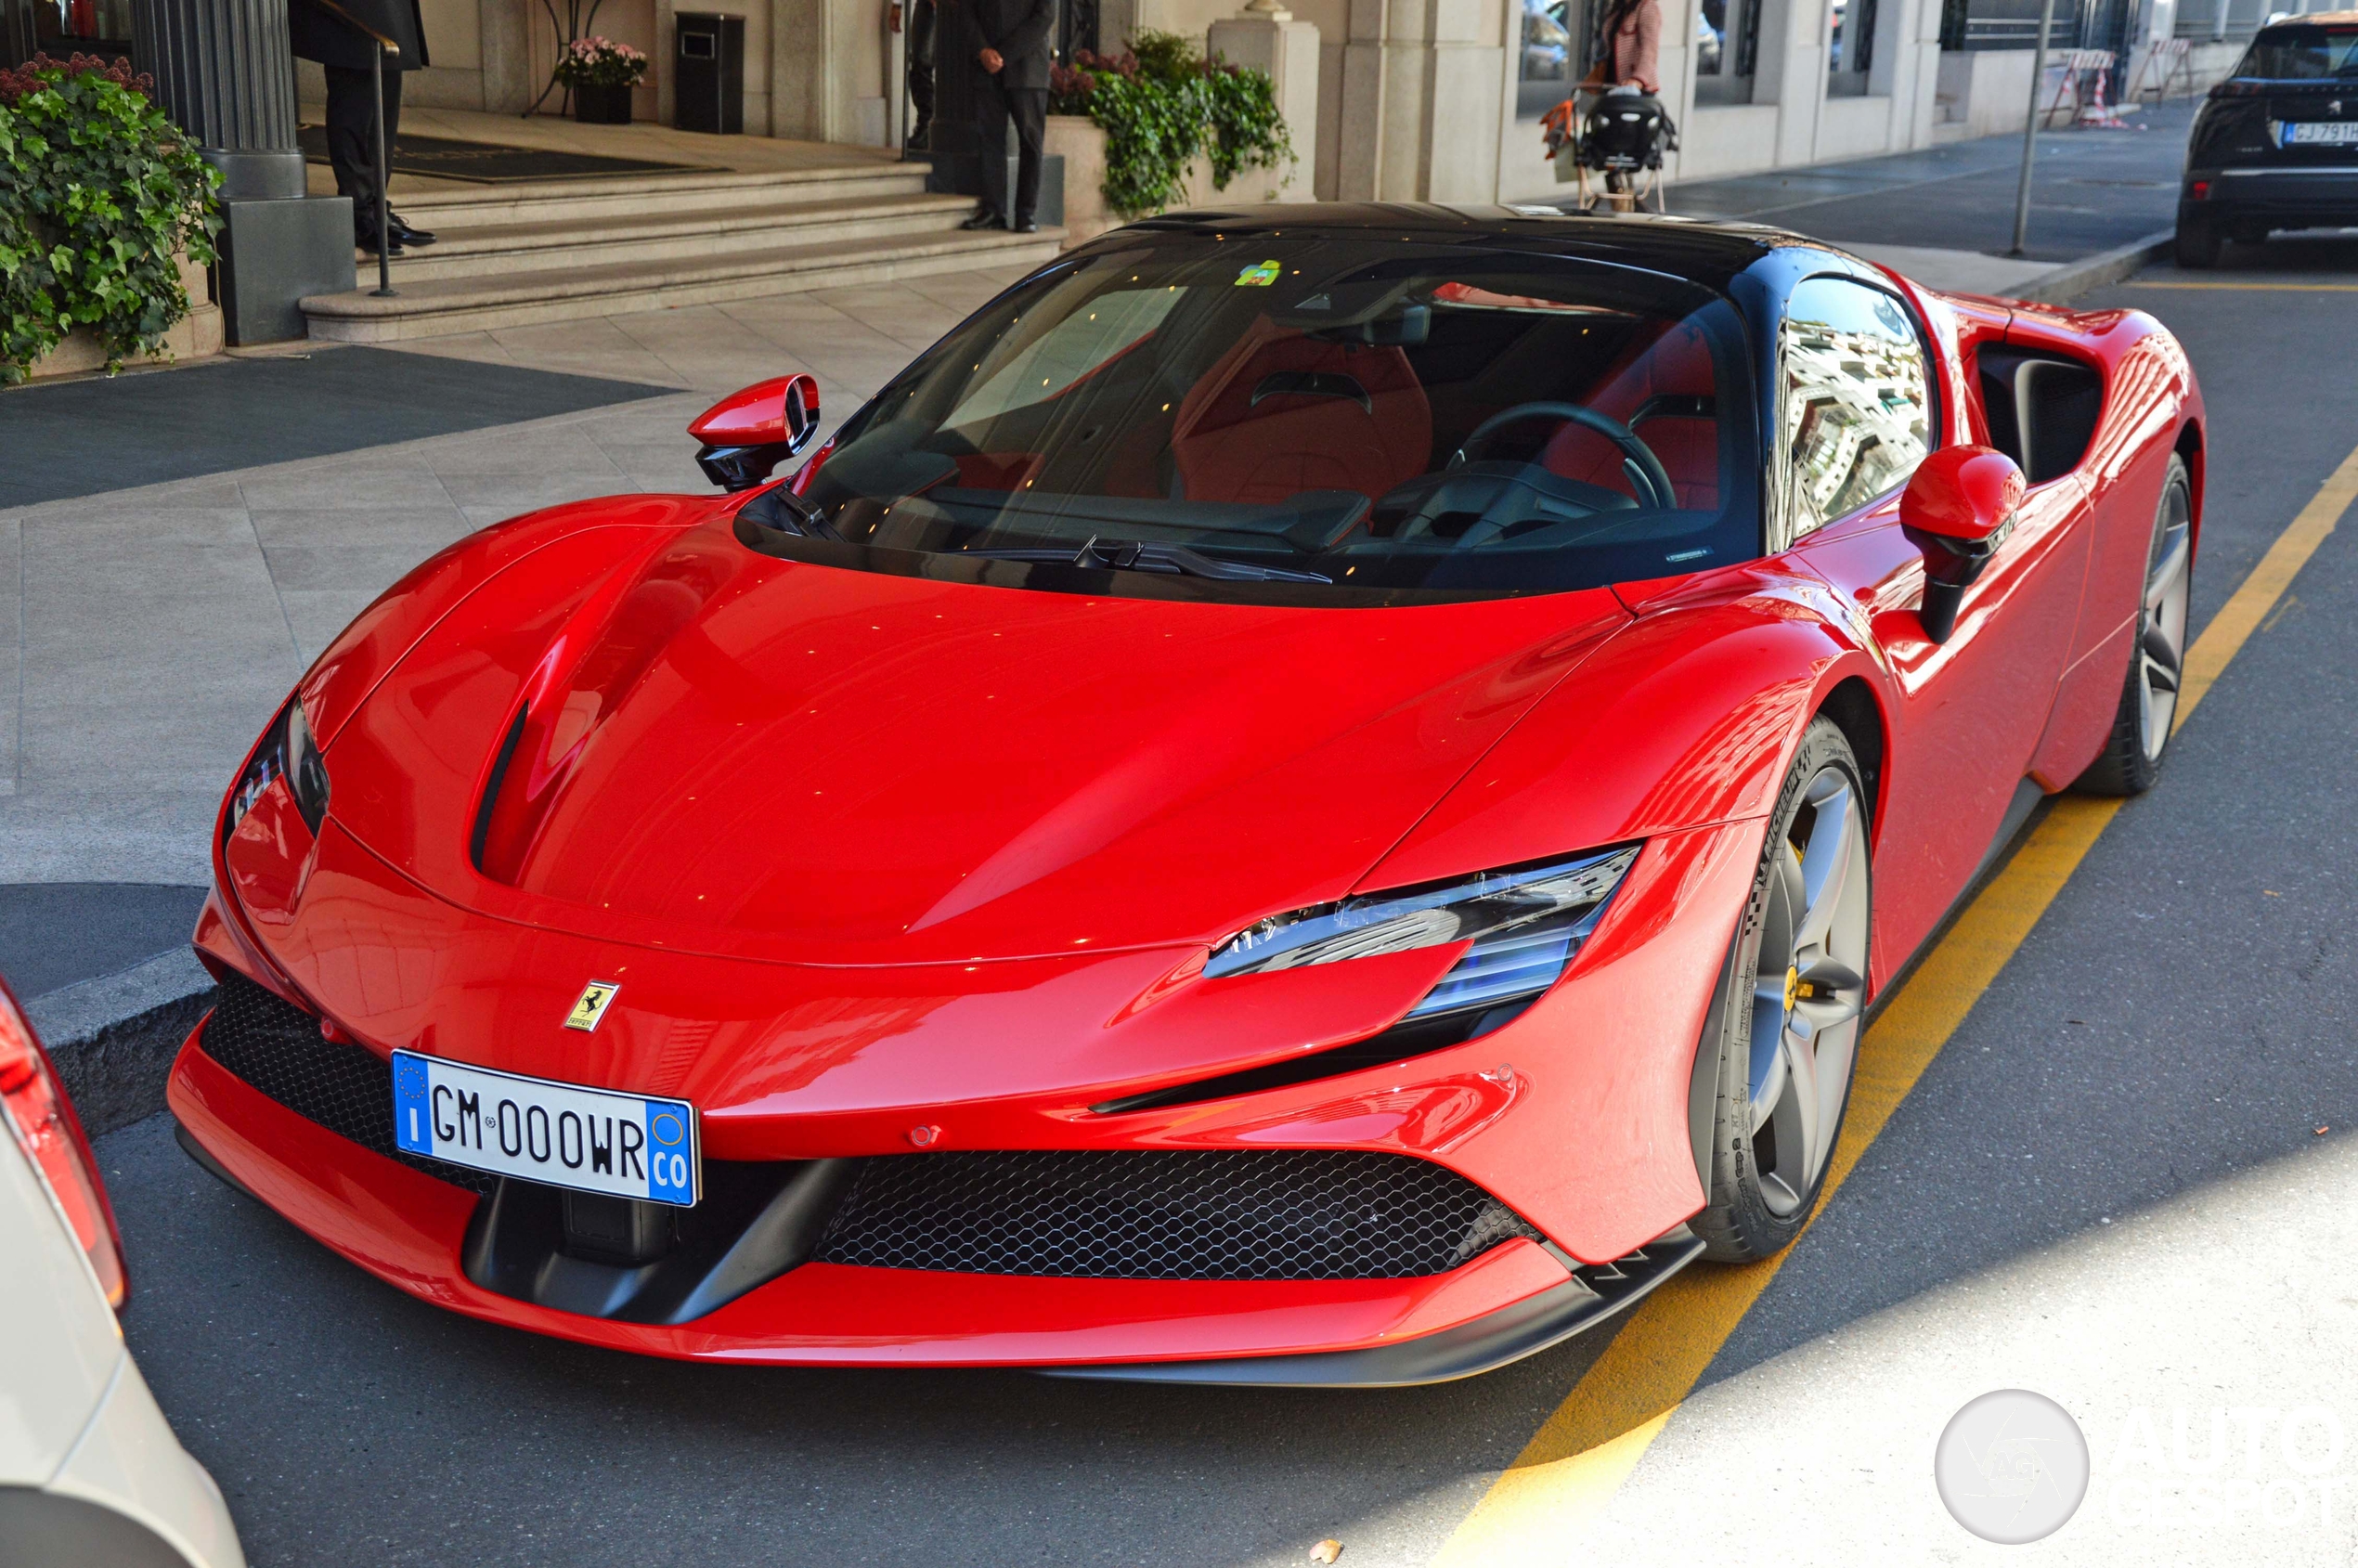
x=1712, y=253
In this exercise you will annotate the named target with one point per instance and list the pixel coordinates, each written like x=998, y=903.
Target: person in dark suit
x=346, y=54
x=1009, y=40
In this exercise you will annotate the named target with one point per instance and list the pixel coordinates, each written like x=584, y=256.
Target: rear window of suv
x=2303, y=53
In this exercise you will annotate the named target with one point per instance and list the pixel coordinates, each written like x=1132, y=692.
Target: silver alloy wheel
x=2161, y=624
x=1809, y=990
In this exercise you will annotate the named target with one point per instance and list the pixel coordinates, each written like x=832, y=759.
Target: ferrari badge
x=591, y=1006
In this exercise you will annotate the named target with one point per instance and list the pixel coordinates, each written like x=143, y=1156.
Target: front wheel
x=1788, y=1024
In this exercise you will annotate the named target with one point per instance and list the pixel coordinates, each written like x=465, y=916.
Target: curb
x=112, y=1039
x=2095, y=272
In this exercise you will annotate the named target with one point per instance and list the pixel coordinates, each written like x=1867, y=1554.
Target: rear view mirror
x=748, y=434
x=1958, y=509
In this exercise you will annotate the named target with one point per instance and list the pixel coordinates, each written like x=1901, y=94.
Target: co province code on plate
x=564, y=1134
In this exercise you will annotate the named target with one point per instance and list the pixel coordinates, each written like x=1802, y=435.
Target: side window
x=1856, y=401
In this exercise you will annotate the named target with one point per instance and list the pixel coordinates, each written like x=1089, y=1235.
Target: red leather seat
x=1230, y=447
x=1677, y=364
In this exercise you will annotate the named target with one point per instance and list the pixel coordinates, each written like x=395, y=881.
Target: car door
x=1856, y=414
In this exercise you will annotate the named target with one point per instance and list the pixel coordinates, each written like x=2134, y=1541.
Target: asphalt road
x=2091, y=191
x=2183, y=1013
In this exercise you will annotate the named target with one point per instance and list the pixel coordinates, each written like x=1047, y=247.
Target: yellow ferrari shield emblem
x=591, y=1006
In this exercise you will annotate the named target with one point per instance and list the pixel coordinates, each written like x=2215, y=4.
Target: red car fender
x=1685, y=718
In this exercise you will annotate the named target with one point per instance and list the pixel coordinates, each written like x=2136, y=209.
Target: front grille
x=1151, y=1214
x=276, y=1047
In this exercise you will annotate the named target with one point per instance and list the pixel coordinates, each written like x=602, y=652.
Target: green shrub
x=1162, y=104
x=98, y=191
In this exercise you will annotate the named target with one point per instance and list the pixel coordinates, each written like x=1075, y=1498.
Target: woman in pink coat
x=1633, y=53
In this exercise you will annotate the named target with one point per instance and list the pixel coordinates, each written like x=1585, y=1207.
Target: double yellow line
x=1568, y=1472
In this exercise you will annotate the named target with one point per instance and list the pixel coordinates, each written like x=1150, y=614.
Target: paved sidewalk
x=153, y=630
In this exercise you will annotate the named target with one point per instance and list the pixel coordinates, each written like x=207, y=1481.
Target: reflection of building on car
x=1292, y=802
x=2276, y=145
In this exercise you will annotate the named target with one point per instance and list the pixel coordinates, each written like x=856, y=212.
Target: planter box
x=195, y=336
x=1082, y=144
x=602, y=104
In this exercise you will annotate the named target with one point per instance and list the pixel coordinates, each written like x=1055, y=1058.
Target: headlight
x=1526, y=924
x=287, y=751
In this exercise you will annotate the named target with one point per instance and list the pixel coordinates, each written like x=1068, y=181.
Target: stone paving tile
x=376, y=490
x=316, y=616
x=549, y=451
x=423, y=528
x=363, y=569
x=496, y=497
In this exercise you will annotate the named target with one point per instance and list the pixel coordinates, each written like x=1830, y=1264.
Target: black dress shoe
x=985, y=219
x=1027, y=226
x=369, y=244
x=405, y=235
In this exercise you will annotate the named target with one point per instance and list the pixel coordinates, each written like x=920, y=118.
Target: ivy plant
x=99, y=195
x=1162, y=106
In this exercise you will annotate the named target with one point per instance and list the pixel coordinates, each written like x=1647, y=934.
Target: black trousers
x=352, y=137
x=921, y=35
x=1028, y=107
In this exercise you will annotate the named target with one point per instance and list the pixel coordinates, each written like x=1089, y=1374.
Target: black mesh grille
x=345, y=1087
x=1243, y=1215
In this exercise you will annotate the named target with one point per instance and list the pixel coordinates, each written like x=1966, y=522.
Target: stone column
x=1266, y=36
x=223, y=74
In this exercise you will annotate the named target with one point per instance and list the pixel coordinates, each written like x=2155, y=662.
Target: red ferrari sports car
x=1311, y=797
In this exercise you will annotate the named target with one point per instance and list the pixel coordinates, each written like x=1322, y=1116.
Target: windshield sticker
x=1257, y=277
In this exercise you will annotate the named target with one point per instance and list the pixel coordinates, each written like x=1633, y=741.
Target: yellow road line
x=2285, y=288
x=1567, y=1474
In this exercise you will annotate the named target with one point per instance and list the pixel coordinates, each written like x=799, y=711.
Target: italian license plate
x=562, y=1135
x=2330, y=133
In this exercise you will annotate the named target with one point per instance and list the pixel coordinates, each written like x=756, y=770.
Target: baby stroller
x=1622, y=138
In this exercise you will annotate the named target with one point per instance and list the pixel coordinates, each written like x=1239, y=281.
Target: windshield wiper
x=1140, y=556
x=780, y=508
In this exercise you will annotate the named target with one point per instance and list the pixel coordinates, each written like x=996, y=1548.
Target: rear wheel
x=2199, y=243
x=1788, y=1025
x=2131, y=758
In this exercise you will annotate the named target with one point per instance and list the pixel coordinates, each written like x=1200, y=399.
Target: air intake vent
x=1220, y=1215
x=345, y=1087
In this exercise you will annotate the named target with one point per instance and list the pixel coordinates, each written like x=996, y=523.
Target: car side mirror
x=1958, y=509
x=748, y=434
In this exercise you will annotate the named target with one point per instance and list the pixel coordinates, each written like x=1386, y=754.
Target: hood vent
x=491, y=788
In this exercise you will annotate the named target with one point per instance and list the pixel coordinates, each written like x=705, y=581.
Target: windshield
x=1323, y=412
x=2302, y=54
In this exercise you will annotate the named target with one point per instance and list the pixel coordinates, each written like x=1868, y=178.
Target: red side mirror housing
x=748, y=434
x=1958, y=509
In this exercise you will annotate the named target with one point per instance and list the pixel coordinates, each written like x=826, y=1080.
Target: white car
x=90, y=1473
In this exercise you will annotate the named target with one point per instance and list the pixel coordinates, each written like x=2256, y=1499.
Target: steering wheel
x=1647, y=475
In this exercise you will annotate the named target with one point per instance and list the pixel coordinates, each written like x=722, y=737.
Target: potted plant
x=1159, y=108
x=599, y=74
x=107, y=221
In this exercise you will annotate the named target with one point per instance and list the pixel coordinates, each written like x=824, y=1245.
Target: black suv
x=2276, y=147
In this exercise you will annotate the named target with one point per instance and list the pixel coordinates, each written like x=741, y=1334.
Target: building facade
x=1416, y=99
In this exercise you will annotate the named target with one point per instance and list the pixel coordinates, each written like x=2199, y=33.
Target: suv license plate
x=560, y=1135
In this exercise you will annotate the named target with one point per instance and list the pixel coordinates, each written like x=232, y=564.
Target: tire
x=2197, y=243
x=2131, y=758
x=1774, y=1120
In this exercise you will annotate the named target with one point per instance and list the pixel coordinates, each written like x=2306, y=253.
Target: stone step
x=631, y=196
x=465, y=304
x=571, y=243
x=1947, y=131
